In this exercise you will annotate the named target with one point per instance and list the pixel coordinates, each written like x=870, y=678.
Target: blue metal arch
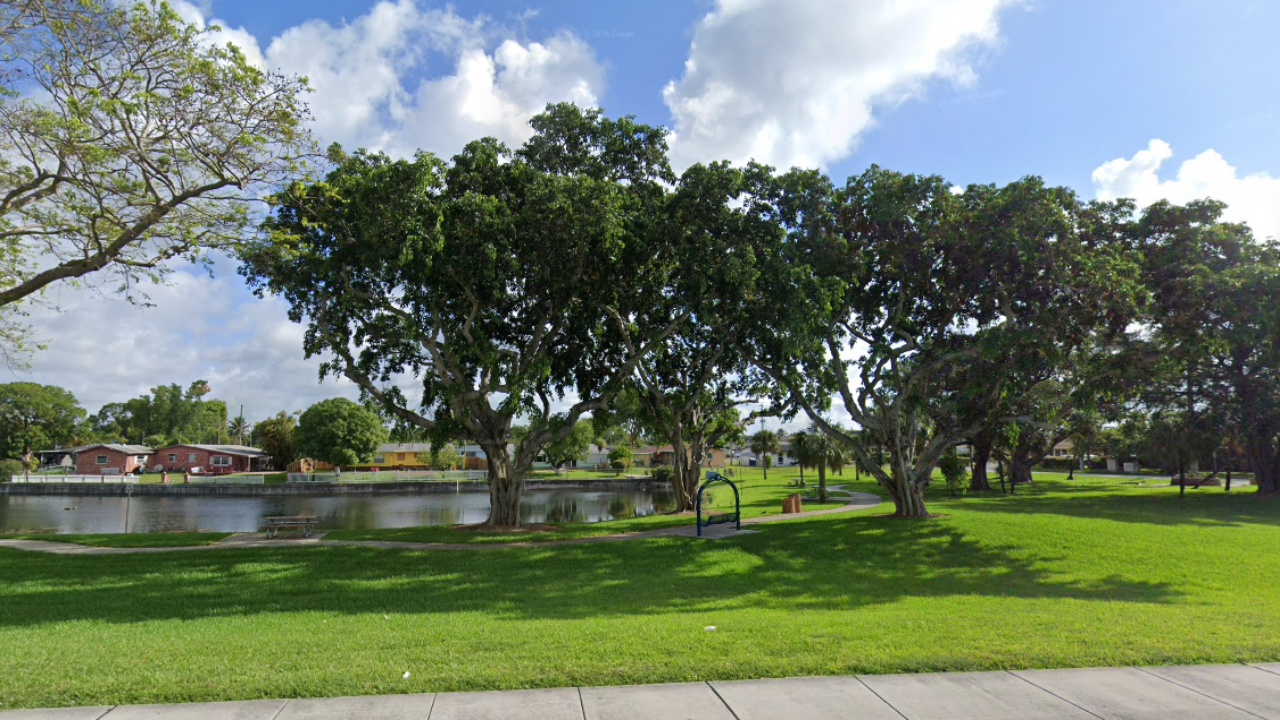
x=735, y=517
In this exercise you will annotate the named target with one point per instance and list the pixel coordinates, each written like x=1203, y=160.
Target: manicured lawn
x=1095, y=572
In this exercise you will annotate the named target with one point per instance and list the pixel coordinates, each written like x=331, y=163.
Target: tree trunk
x=908, y=499
x=982, y=443
x=506, y=487
x=904, y=487
x=1262, y=455
x=822, y=482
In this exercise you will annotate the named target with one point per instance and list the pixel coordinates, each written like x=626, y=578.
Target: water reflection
x=73, y=514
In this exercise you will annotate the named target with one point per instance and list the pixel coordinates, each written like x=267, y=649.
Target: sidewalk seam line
x=283, y=705
x=582, y=704
x=1266, y=670
x=113, y=707
x=1085, y=710
x=881, y=699
x=721, y=699
x=432, y=708
x=1202, y=694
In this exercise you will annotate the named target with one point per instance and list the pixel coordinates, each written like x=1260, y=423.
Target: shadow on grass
x=1208, y=507
x=825, y=563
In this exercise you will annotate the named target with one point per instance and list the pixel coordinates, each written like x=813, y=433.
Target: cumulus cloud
x=1253, y=199
x=373, y=87
x=104, y=349
x=795, y=82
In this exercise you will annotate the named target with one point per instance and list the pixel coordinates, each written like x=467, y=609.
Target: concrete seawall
x=386, y=488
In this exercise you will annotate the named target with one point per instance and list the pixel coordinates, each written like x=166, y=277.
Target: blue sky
x=1143, y=98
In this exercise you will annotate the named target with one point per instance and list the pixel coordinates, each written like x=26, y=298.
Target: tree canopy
x=499, y=281
x=128, y=139
x=35, y=417
x=915, y=306
x=338, y=431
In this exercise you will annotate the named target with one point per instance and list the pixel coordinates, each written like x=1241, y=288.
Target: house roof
x=126, y=449
x=242, y=450
x=405, y=447
x=64, y=451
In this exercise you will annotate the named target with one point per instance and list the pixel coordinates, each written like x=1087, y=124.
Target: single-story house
x=392, y=456
x=64, y=457
x=213, y=459
x=654, y=456
x=110, y=459
x=597, y=455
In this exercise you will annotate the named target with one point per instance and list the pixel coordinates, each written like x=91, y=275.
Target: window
x=191, y=457
x=173, y=457
x=379, y=458
x=101, y=460
x=220, y=461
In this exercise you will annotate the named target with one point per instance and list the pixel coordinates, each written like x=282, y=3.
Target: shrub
x=620, y=458
x=9, y=468
x=1057, y=464
x=955, y=471
x=663, y=474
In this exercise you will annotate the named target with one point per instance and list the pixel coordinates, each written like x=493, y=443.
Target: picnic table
x=275, y=522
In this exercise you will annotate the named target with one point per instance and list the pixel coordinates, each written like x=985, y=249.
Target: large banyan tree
x=916, y=306
x=461, y=295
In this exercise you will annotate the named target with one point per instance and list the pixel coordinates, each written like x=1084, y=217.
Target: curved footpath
x=853, y=501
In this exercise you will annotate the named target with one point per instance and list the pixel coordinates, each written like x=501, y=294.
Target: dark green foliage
x=338, y=431
x=498, y=280
x=955, y=471
x=168, y=415
x=9, y=468
x=36, y=417
x=275, y=436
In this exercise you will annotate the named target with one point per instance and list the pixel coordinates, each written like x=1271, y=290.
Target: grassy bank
x=1093, y=572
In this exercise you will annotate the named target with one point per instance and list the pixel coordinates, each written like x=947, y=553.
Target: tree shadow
x=831, y=563
x=1199, y=508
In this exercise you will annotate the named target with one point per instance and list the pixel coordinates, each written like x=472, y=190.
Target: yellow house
x=396, y=455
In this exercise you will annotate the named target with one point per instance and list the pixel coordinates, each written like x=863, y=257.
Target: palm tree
x=764, y=443
x=803, y=449
x=827, y=454
x=238, y=428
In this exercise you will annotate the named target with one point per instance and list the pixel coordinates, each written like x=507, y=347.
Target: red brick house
x=209, y=459
x=110, y=459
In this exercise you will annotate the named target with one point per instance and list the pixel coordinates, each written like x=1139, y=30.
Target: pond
x=86, y=514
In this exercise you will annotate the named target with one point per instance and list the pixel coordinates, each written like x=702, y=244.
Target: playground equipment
x=734, y=517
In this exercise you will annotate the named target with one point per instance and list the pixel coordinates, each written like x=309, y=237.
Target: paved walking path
x=1203, y=692
x=853, y=500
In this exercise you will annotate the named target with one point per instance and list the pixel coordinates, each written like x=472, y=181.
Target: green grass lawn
x=1101, y=571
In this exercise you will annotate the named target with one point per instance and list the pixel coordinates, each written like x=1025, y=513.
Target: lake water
x=85, y=514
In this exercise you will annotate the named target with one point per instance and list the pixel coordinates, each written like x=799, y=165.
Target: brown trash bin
x=791, y=504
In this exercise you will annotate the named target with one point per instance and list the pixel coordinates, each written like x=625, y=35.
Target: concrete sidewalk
x=1202, y=692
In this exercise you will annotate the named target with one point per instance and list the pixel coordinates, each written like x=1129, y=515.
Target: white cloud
x=370, y=88
x=795, y=82
x=1254, y=199
x=103, y=349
